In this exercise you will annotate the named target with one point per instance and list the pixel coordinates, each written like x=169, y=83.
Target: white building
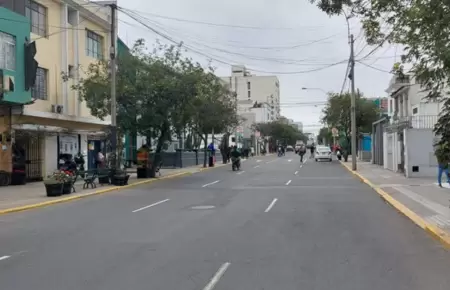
x=260, y=89
x=408, y=138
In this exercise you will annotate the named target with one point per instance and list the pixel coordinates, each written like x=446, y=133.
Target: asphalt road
x=274, y=225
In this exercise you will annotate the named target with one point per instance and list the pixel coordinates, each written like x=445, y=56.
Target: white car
x=323, y=153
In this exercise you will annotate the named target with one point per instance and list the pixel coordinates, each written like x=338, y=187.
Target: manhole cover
x=203, y=207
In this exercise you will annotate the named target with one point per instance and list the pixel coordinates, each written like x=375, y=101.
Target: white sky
x=281, y=23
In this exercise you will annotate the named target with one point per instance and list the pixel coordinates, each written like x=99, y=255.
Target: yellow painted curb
x=215, y=166
x=74, y=197
x=431, y=229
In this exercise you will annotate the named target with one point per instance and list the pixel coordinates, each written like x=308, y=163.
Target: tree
x=325, y=136
x=337, y=114
x=422, y=27
x=279, y=132
x=154, y=91
x=212, y=110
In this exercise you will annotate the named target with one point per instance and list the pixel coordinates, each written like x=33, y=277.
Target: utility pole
x=353, y=102
x=113, y=68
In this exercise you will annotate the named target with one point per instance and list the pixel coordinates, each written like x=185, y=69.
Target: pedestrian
x=100, y=160
x=442, y=156
x=301, y=151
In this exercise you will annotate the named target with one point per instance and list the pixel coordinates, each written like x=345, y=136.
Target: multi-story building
x=410, y=128
x=69, y=35
x=14, y=36
x=260, y=89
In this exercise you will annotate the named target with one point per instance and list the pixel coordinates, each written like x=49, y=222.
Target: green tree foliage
x=422, y=27
x=325, y=136
x=280, y=132
x=159, y=95
x=337, y=113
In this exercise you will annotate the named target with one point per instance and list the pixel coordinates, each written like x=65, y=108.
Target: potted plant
x=68, y=179
x=143, y=161
x=54, y=183
x=120, y=178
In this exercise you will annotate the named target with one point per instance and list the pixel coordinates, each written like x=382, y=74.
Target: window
x=94, y=47
x=249, y=95
x=248, y=86
x=7, y=51
x=39, y=91
x=415, y=111
x=38, y=17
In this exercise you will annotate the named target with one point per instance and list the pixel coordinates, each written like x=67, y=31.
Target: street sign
x=335, y=132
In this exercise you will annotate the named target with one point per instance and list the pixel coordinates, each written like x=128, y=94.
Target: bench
x=89, y=177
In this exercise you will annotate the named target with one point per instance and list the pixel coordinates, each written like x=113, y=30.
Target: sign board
x=335, y=132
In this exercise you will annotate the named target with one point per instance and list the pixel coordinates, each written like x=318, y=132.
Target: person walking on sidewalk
x=443, y=158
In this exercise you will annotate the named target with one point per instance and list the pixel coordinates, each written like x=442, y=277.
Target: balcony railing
x=419, y=121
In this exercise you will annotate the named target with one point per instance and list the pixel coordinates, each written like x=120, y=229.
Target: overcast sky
x=286, y=38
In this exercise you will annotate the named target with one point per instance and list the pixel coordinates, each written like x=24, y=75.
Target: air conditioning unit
x=58, y=109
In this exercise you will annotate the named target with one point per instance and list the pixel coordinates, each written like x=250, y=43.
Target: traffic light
x=31, y=65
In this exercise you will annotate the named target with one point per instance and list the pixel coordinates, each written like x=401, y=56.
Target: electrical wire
x=213, y=57
x=65, y=29
x=248, y=56
x=216, y=24
x=373, y=67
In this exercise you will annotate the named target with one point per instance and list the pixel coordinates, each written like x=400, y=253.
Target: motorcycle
x=339, y=155
x=236, y=164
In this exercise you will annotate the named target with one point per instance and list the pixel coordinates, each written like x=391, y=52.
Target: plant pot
x=103, y=180
x=67, y=187
x=120, y=180
x=144, y=172
x=54, y=189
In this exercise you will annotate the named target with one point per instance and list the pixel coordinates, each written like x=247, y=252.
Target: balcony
x=416, y=122
x=398, y=82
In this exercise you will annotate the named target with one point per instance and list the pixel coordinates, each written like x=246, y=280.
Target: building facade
x=408, y=137
x=69, y=35
x=260, y=89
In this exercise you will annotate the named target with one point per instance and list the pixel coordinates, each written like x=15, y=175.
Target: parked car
x=323, y=153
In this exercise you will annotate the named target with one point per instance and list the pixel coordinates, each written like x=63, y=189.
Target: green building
x=14, y=34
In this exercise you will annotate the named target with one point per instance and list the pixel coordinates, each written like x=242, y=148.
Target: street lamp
x=315, y=89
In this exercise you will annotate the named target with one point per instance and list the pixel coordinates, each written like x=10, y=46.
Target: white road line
x=287, y=183
x=257, y=161
x=217, y=277
x=240, y=172
x=289, y=160
x=295, y=172
x=208, y=184
x=4, y=257
x=271, y=205
x=256, y=166
x=151, y=205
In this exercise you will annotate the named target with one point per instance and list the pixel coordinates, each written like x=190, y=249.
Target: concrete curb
x=431, y=229
x=69, y=198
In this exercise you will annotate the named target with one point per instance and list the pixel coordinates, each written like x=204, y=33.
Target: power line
x=216, y=24
x=373, y=67
x=252, y=57
x=213, y=57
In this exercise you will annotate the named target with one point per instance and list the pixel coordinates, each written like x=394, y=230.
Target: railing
x=419, y=121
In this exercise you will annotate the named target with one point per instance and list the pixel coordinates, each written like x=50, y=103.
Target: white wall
x=420, y=152
x=50, y=154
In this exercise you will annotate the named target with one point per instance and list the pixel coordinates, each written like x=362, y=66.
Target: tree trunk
x=165, y=131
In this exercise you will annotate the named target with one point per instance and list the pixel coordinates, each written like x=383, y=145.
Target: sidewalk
x=21, y=197
x=421, y=196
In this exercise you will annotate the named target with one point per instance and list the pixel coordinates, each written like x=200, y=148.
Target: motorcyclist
x=313, y=148
x=235, y=156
